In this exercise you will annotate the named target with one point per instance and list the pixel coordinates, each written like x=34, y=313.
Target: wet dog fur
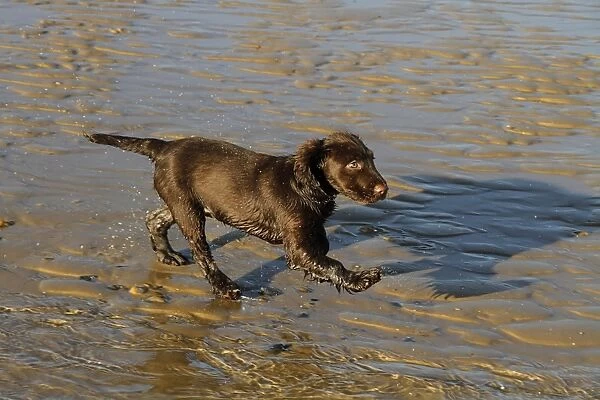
x=280, y=199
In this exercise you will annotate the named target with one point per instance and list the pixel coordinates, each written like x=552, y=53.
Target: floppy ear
x=307, y=162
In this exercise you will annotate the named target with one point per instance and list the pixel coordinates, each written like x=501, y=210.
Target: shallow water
x=484, y=120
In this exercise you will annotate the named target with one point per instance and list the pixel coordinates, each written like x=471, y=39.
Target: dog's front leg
x=327, y=269
x=307, y=251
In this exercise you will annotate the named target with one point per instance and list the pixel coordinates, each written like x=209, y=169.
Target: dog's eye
x=353, y=165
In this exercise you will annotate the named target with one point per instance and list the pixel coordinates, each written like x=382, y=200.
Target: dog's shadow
x=460, y=228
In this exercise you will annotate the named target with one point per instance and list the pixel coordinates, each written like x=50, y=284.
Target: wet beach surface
x=483, y=117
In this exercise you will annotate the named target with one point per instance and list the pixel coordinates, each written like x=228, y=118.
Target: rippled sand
x=483, y=117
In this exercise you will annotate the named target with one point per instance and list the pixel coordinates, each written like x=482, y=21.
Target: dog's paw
x=230, y=292
x=223, y=287
x=172, y=258
x=362, y=280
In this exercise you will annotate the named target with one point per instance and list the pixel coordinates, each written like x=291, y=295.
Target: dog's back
x=232, y=182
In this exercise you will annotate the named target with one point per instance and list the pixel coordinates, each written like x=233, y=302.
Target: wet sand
x=483, y=118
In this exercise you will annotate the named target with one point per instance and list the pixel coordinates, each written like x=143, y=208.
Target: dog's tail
x=147, y=146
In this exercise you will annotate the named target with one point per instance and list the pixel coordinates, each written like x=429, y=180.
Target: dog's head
x=340, y=163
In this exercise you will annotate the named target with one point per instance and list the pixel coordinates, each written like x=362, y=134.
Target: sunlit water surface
x=484, y=120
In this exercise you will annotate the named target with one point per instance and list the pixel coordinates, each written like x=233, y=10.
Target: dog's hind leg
x=158, y=223
x=189, y=215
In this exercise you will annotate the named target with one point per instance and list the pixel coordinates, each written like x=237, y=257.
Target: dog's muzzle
x=380, y=191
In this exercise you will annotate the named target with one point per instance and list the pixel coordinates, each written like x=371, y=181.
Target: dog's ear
x=307, y=161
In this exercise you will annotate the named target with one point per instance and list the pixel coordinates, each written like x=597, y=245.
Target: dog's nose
x=380, y=189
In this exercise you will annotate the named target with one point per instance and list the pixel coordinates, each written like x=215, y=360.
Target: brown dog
x=282, y=199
